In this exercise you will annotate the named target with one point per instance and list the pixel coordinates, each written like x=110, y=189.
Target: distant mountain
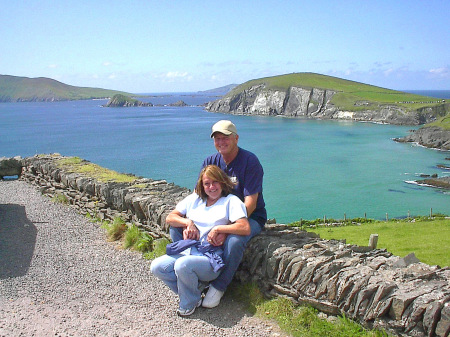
x=325, y=97
x=220, y=91
x=25, y=89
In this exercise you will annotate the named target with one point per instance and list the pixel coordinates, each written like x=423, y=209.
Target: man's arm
x=250, y=203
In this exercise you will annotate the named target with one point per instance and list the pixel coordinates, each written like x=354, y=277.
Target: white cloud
x=107, y=63
x=440, y=72
x=53, y=66
x=176, y=74
x=389, y=71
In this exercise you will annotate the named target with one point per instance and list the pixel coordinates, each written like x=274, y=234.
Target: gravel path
x=60, y=277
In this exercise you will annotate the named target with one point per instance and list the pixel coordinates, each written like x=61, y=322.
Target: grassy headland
x=24, y=89
x=351, y=95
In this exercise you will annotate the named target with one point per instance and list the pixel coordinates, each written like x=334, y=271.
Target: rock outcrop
x=442, y=182
x=316, y=103
x=372, y=286
x=10, y=166
x=431, y=137
x=178, y=103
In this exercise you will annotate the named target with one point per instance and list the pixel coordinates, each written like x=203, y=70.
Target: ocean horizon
x=313, y=168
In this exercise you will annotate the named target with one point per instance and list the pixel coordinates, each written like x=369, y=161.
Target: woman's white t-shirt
x=224, y=211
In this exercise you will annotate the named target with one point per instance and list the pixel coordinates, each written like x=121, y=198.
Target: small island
x=178, y=103
x=119, y=100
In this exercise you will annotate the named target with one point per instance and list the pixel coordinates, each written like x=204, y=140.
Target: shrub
x=60, y=198
x=137, y=239
x=159, y=249
x=114, y=230
x=131, y=236
x=144, y=243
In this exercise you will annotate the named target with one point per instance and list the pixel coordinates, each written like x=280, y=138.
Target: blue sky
x=174, y=46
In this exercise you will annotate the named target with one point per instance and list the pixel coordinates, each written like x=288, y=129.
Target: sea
x=313, y=168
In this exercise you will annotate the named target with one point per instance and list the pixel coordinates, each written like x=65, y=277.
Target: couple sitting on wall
x=211, y=227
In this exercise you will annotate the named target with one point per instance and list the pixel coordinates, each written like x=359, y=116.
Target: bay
x=312, y=168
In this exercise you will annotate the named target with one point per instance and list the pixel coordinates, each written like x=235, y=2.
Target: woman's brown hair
x=216, y=174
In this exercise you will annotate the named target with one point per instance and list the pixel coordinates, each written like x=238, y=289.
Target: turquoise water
x=312, y=168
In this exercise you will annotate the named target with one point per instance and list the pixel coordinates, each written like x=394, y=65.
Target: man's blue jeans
x=233, y=248
x=182, y=273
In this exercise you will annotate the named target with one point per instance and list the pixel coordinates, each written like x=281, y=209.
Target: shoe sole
x=190, y=312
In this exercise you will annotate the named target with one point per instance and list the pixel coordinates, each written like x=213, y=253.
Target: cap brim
x=225, y=132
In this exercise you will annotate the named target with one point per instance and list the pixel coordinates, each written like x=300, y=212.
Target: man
x=244, y=169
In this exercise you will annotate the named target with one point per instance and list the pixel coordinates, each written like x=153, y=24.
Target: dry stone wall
x=372, y=286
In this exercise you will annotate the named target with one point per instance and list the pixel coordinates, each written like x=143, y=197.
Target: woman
x=207, y=216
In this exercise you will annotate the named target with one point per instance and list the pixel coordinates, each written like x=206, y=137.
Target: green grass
x=138, y=240
x=78, y=165
x=159, y=249
x=297, y=321
x=131, y=236
x=60, y=198
x=427, y=239
x=114, y=230
x=443, y=123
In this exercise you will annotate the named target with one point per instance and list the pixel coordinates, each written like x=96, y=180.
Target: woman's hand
x=215, y=238
x=191, y=231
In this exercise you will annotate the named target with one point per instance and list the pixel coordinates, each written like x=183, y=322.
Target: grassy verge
x=427, y=238
x=78, y=165
x=132, y=237
x=298, y=321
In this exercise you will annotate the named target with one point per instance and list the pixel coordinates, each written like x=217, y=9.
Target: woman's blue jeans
x=233, y=251
x=182, y=273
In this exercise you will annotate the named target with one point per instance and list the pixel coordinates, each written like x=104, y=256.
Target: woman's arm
x=177, y=219
x=239, y=227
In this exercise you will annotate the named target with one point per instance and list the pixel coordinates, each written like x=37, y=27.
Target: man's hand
x=191, y=232
x=215, y=238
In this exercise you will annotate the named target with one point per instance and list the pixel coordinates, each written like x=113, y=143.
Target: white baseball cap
x=224, y=126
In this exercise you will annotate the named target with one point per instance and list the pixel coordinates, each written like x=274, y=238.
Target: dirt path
x=59, y=277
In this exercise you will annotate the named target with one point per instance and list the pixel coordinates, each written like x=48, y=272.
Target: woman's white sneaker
x=212, y=298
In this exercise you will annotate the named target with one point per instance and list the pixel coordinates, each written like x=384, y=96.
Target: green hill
x=25, y=89
x=350, y=94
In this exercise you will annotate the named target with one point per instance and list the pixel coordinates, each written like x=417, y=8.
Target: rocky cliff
x=431, y=137
x=298, y=101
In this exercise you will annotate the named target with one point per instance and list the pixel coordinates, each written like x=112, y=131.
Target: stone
x=443, y=326
x=10, y=166
x=406, y=261
x=431, y=317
